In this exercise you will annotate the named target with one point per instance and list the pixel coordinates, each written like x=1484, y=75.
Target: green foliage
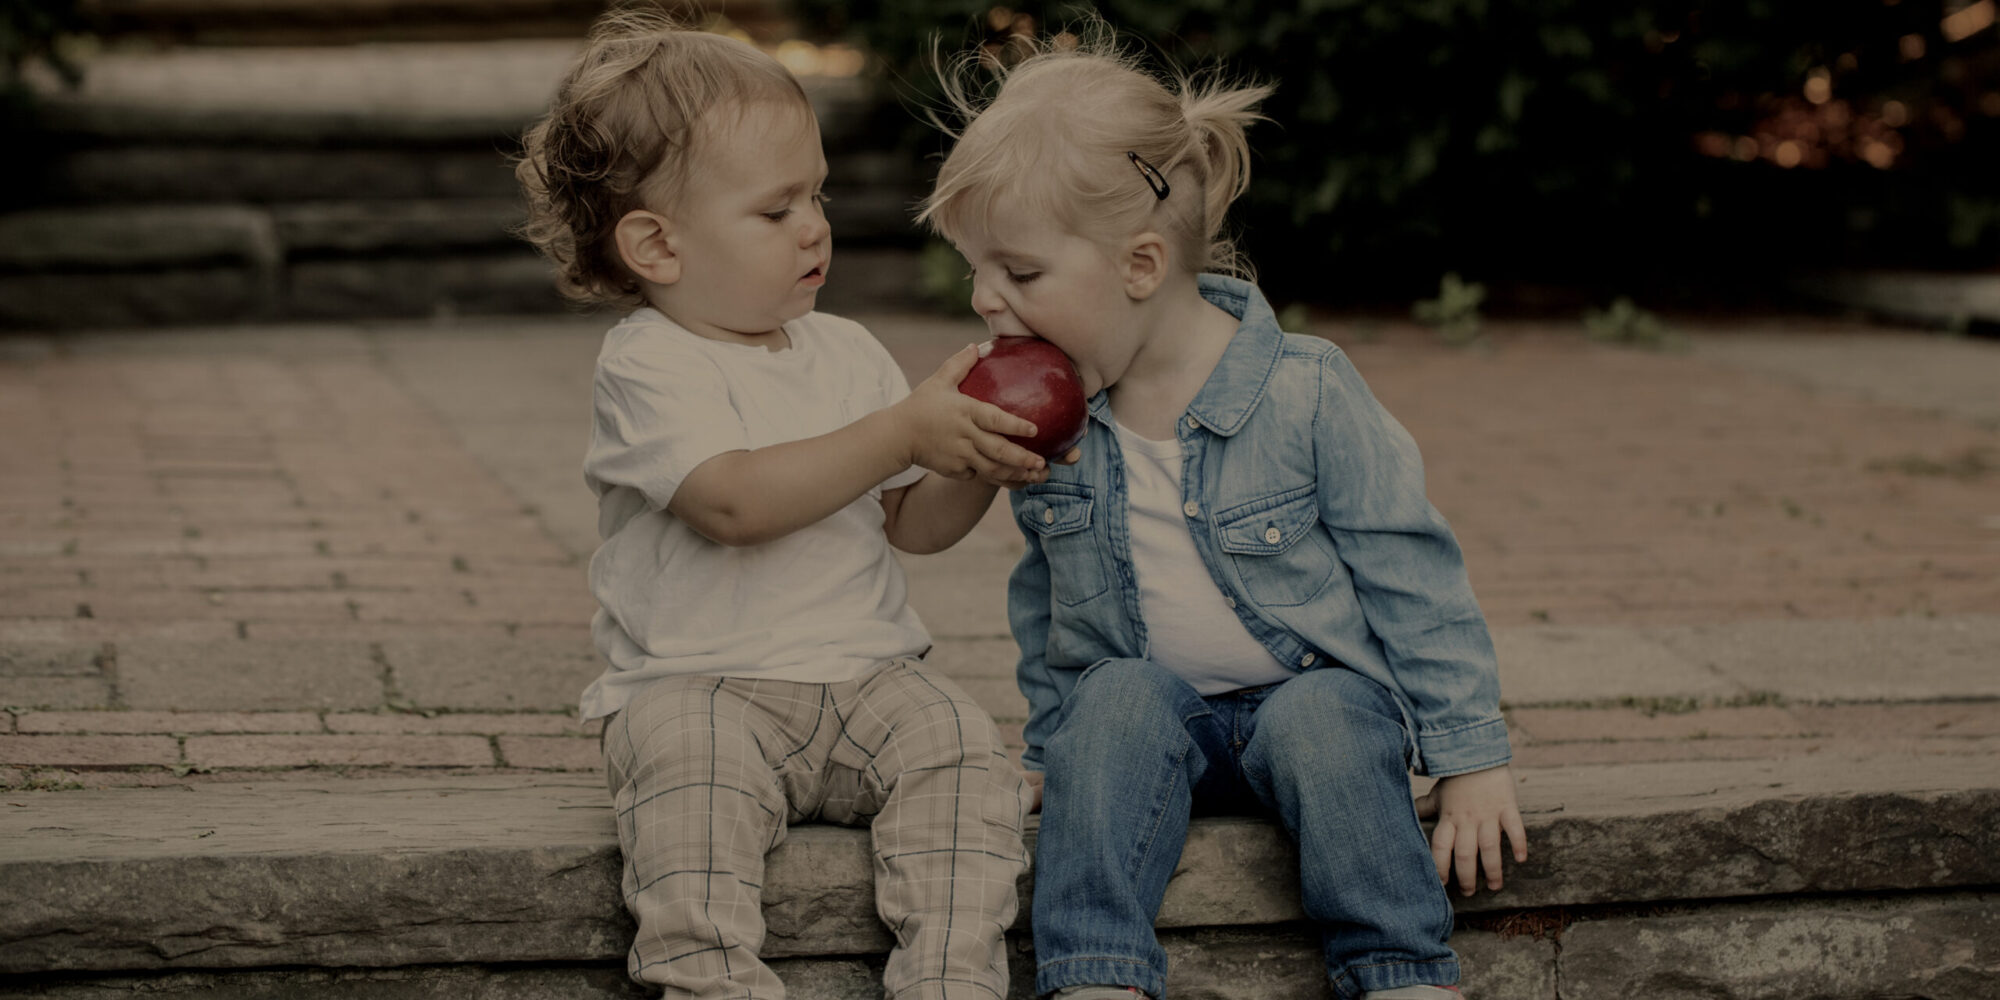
x=1625, y=323
x=1294, y=318
x=941, y=280
x=1530, y=138
x=30, y=31
x=1455, y=311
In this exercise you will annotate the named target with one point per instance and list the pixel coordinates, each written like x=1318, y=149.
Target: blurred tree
x=1564, y=140
x=29, y=31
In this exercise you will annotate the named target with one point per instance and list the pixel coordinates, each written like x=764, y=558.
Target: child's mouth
x=814, y=277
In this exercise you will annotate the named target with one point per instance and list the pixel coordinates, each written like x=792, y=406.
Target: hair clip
x=1154, y=179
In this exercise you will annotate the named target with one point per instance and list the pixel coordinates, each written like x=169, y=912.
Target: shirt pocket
x=1281, y=554
x=1061, y=516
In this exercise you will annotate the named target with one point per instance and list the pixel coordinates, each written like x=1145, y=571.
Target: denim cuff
x=1355, y=981
x=1099, y=970
x=1463, y=750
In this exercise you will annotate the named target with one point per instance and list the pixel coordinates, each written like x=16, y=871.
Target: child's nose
x=816, y=228
x=986, y=301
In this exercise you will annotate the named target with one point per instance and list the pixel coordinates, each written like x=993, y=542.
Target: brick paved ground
x=280, y=552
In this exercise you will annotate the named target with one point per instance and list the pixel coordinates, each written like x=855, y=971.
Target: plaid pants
x=706, y=773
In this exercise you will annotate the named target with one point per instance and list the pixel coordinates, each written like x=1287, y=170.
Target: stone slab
x=169, y=722
x=248, y=675
x=599, y=981
x=55, y=692
x=397, y=225
x=1919, y=370
x=1559, y=665
x=1938, y=297
x=1943, y=947
x=336, y=91
x=399, y=871
x=230, y=171
x=89, y=751
x=1569, y=725
x=136, y=236
x=532, y=439
x=146, y=298
x=424, y=92
x=485, y=674
x=1882, y=659
x=501, y=280
x=50, y=659
x=1280, y=963
x=1891, y=659
x=339, y=750
x=551, y=753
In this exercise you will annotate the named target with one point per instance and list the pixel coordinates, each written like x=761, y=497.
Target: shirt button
x=1192, y=423
x=1048, y=515
x=1231, y=601
x=1307, y=660
x=1191, y=509
x=1272, y=535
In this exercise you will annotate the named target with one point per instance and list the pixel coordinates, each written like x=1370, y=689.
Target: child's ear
x=646, y=245
x=1145, y=262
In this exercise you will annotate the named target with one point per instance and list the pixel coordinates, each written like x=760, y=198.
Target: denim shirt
x=1306, y=502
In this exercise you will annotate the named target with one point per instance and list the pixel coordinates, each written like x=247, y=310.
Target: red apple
x=1032, y=379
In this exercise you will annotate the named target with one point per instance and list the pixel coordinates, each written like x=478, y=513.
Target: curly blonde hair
x=621, y=134
x=1056, y=140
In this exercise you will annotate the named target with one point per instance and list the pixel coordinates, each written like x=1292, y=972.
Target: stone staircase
x=219, y=185
x=1837, y=876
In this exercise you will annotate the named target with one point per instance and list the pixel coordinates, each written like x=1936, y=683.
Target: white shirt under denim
x=1193, y=631
x=820, y=605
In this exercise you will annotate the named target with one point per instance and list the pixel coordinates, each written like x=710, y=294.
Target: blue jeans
x=1138, y=751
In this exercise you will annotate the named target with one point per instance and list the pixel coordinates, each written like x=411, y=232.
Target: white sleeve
x=658, y=415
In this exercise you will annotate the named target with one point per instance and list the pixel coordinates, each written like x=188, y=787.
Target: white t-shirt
x=1190, y=627
x=820, y=605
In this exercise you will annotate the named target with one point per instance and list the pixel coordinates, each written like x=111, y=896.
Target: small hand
x=1034, y=784
x=1472, y=810
x=960, y=437
x=1070, y=457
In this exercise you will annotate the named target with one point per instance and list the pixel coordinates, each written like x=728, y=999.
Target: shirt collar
x=1233, y=390
x=1236, y=386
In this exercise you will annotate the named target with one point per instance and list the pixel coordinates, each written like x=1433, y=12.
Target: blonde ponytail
x=1058, y=136
x=1219, y=116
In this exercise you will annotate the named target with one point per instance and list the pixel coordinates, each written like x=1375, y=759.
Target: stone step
x=348, y=121
x=1937, y=946
x=422, y=92
x=214, y=185
x=469, y=874
x=393, y=253
x=440, y=282
x=1961, y=302
x=267, y=22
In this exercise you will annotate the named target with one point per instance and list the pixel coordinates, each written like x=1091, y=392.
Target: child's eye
x=821, y=197
x=779, y=215
x=1022, y=279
